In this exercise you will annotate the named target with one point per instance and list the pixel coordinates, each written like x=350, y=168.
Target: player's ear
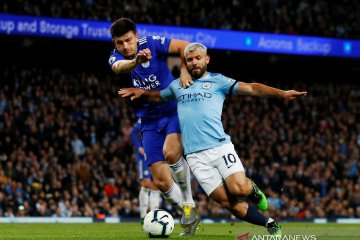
x=113, y=41
x=207, y=59
x=137, y=37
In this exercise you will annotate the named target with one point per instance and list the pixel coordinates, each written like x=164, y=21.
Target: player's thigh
x=173, y=149
x=227, y=161
x=206, y=174
x=239, y=184
x=153, y=143
x=231, y=169
x=237, y=178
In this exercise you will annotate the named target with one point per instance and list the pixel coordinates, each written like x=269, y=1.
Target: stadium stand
x=306, y=17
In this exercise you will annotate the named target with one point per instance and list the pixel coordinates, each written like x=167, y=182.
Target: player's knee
x=171, y=155
x=146, y=182
x=238, y=189
x=226, y=204
x=223, y=200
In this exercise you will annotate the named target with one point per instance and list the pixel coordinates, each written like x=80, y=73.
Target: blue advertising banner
x=216, y=39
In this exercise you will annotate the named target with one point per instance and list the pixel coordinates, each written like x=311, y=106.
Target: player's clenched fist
x=143, y=56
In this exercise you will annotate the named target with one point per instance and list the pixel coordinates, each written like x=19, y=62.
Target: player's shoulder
x=149, y=39
x=148, y=42
x=175, y=83
x=217, y=76
x=138, y=124
x=221, y=80
x=114, y=56
x=157, y=40
x=144, y=40
x=114, y=52
x=214, y=74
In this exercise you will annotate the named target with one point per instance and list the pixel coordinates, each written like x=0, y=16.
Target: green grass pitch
x=132, y=231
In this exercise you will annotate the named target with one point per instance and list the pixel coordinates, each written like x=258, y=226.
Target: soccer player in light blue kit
x=209, y=151
x=149, y=194
x=141, y=63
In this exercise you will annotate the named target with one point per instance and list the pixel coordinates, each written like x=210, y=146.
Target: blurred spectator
x=78, y=146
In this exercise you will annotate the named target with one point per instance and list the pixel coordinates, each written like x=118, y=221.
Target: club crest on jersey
x=206, y=85
x=112, y=60
x=145, y=64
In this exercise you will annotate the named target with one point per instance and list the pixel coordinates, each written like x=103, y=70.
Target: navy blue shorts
x=154, y=133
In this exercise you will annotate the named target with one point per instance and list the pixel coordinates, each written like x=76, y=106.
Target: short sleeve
x=227, y=84
x=160, y=44
x=114, y=57
x=168, y=93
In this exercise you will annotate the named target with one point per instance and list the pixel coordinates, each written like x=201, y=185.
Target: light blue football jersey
x=199, y=109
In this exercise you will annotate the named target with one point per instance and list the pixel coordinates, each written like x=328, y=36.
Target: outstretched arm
x=135, y=93
x=261, y=90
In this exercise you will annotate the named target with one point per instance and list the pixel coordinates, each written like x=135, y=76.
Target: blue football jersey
x=199, y=109
x=152, y=75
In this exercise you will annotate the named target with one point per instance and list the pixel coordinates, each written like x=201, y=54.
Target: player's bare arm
x=178, y=46
x=261, y=90
x=126, y=66
x=136, y=93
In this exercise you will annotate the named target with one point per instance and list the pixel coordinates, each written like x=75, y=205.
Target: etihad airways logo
x=194, y=97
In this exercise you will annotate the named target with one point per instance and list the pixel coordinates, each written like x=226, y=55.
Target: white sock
x=270, y=220
x=155, y=199
x=143, y=201
x=181, y=174
x=174, y=195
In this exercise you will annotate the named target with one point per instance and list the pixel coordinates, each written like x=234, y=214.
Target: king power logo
x=147, y=83
x=247, y=236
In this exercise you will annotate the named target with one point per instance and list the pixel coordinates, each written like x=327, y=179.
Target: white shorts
x=212, y=166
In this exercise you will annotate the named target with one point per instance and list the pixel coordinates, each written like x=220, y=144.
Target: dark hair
x=122, y=26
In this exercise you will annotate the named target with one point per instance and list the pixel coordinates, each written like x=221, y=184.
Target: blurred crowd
x=65, y=148
x=339, y=18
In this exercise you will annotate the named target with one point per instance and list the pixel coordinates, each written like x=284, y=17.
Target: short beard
x=198, y=75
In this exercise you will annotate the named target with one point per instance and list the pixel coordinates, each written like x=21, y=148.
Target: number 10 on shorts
x=229, y=159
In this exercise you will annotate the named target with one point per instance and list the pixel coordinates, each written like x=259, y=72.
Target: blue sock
x=255, y=217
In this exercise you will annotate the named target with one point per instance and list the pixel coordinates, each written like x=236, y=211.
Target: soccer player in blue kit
x=149, y=194
x=208, y=149
x=141, y=62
